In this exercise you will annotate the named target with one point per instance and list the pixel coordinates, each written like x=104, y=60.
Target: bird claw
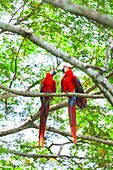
x=47, y=91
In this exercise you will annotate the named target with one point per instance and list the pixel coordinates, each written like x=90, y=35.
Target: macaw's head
x=53, y=72
x=65, y=68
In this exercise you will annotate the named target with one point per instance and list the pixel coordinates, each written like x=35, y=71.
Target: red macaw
x=70, y=83
x=48, y=85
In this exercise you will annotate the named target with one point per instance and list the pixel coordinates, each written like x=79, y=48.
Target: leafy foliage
x=23, y=65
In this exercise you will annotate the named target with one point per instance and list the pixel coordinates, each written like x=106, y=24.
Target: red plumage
x=72, y=117
x=70, y=83
x=48, y=85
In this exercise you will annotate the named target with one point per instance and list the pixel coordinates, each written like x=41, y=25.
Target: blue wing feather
x=72, y=101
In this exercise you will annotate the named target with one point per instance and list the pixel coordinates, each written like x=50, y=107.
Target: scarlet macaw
x=70, y=83
x=48, y=85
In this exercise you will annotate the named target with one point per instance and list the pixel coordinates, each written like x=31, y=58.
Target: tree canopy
x=36, y=36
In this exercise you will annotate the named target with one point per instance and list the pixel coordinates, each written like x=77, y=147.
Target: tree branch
x=36, y=156
x=36, y=94
x=80, y=10
x=106, y=87
x=29, y=122
x=110, y=74
x=6, y=96
x=83, y=137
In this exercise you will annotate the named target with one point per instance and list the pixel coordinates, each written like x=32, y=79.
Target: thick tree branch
x=8, y=95
x=105, y=86
x=80, y=10
x=83, y=137
x=29, y=122
x=40, y=42
x=110, y=74
x=36, y=94
x=108, y=50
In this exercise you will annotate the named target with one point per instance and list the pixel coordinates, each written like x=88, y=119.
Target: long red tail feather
x=44, y=110
x=72, y=116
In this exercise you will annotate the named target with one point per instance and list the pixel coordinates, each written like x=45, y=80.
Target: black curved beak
x=54, y=72
x=63, y=70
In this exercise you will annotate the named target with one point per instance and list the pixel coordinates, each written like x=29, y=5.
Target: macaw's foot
x=48, y=91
